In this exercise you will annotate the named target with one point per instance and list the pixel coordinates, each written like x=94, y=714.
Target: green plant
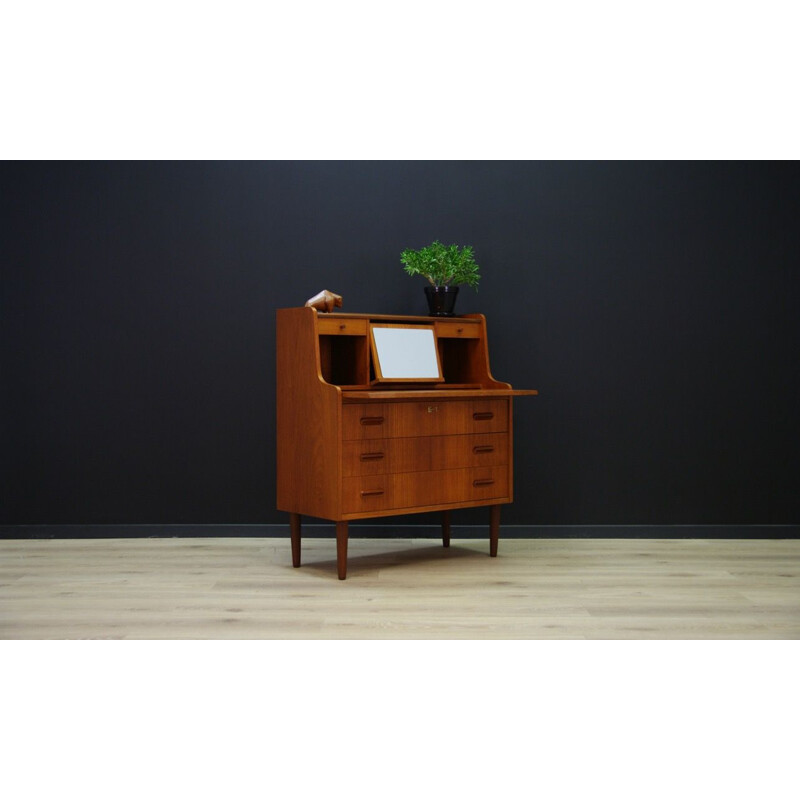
x=443, y=265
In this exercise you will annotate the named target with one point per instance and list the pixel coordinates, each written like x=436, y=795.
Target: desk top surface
x=473, y=318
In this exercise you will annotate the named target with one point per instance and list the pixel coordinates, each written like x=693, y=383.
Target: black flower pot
x=441, y=300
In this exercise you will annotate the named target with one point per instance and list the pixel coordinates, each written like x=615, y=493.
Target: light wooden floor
x=400, y=589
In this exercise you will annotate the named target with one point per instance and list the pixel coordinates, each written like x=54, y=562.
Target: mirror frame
x=380, y=378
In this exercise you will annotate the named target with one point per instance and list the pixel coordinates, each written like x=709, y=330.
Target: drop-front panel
x=349, y=448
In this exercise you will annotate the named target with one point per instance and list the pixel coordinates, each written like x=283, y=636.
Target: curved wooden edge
x=485, y=341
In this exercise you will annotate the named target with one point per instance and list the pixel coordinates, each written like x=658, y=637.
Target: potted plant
x=445, y=267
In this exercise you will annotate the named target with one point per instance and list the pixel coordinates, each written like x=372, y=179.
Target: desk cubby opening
x=460, y=360
x=344, y=360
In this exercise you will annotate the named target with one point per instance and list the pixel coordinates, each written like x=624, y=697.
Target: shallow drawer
x=424, y=453
x=458, y=330
x=415, y=489
x=434, y=418
x=342, y=327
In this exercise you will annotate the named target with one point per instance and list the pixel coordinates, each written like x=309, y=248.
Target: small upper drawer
x=342, y=327
x=457, y=330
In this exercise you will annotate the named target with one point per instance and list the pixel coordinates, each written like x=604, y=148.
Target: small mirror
x=405, y=353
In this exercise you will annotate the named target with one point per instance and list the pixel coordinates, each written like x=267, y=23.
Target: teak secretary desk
x=361, y=434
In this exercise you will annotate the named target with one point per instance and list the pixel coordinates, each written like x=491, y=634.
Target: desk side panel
x=308, y=421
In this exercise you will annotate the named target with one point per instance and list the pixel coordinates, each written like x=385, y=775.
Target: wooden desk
x=349, y=448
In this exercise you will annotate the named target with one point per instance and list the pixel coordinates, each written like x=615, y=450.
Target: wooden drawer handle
x=371, y=456
x=373, y=493
x=483, y=482
x=372, y=420
x=483, y=415
x=483, y=448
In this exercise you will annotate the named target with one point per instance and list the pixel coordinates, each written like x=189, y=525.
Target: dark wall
x=654, y=305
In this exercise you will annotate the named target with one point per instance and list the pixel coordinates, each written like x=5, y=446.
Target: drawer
x=331, y=326
x=457, y=330
x=367, y=493
x=423, y=453
x=431, y=418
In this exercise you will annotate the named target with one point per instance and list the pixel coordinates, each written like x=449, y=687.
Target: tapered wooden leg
x=294, y=525
x=494, y=529
x=341, y=549
x=446, y=528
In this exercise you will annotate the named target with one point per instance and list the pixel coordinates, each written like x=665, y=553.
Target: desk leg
x=494, y=529
x=341, y=549
x=294, y=524
x=445, y=528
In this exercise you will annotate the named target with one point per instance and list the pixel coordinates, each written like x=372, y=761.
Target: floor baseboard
x=428, y=531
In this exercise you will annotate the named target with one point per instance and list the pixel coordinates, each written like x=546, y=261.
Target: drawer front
x=457, y=330
x=342, y=327
x=434, y=418
x=367, y=493
x=424, y=453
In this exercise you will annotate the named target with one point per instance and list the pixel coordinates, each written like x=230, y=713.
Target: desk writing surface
x=358, y=395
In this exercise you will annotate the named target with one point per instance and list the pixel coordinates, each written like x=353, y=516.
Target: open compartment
x=461, y=361
x=344, y=360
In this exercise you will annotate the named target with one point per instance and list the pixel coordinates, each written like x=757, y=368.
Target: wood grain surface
x=400, y=589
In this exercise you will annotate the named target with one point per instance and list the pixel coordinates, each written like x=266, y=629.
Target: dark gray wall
x=654, y=305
